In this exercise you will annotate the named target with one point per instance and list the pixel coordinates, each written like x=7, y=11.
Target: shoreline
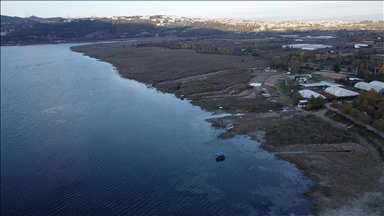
x=325, y=191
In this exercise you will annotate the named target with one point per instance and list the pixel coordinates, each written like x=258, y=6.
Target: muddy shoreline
x=348, y=176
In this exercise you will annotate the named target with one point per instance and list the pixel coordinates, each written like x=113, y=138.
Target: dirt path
x=202, y=76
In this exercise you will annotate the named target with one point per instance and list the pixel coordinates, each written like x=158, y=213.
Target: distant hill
x=16, y=19
x=39, y=19
x=36, y=30
x=11, y=19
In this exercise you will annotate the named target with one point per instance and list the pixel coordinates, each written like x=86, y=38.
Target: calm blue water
x=77, y=139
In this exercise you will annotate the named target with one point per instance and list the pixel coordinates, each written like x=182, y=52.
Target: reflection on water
x=76, y=138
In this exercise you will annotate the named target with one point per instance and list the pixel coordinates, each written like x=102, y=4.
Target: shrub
x=379, y=124
x=305, y=130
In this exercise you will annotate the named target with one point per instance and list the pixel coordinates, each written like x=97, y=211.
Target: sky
x=209, y=9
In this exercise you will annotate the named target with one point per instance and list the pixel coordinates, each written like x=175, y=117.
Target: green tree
x=281, y=65
x=372, y=97
x=380, y=105
x=379, y=113
x=362, y=96
x=378, y=124
x=354, y=113
x=345, y=107
x=296, y=97
x=363, y=117
x=317, y=102
x=336, y=67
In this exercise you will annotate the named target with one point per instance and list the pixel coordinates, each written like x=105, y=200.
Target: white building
x=340, y=92
x=308, y=93
x=357, y=46
x=307, y=46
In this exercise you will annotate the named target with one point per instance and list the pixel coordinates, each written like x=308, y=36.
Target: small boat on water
x=229, y=126
x=219, y=156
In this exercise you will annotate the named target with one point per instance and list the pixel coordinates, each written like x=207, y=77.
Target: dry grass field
x=155, y=64
x=332, y=75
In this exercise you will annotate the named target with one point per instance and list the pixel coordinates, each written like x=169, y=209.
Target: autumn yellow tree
x=326, y=56
x=301, y=56
x=382, y=69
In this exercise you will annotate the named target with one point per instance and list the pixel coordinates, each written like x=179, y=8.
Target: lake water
x=77, y=139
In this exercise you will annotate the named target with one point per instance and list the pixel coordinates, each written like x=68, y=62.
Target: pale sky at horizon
x=211, y=9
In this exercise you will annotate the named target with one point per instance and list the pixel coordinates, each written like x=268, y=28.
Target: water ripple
x=79, y=140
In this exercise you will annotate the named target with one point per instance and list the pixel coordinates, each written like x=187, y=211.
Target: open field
x=155, y=64
x=332, y=75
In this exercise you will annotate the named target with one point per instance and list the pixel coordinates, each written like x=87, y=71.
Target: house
x=303, y=103
x=301, y=79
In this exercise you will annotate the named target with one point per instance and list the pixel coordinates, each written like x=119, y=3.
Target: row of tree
x=366, y=66
x=368, y=108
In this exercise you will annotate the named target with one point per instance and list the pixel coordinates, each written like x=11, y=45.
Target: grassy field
x=224, y=81
x=305, y=130
x=155, y=64
x=233, y=105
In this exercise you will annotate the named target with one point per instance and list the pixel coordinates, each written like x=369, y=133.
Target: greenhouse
x=308, y=93
x=341, y=92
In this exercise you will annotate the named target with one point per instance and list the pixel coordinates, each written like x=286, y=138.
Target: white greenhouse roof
x=340, y=92
x=308, y=93
x=363, y=86
x=376, y=85
x=319, y=84
x=307, y=46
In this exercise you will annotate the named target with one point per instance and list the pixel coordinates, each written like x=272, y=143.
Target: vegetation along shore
x=259, y=78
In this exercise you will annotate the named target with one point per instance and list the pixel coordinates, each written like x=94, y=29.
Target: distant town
x=35, y=30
